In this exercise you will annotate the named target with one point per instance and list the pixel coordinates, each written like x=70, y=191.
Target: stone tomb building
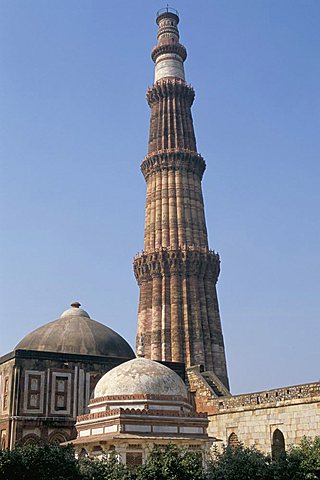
x=49, y=377
x=47, y=380
x=136, y=406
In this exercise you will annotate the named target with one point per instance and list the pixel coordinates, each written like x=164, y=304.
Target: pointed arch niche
x=233, y=440
x=57, y=437
x=278, y=446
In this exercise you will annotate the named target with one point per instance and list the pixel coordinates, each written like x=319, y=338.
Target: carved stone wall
x=41, y=394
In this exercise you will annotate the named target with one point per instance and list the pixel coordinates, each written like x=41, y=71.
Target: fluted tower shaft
x=178, y=312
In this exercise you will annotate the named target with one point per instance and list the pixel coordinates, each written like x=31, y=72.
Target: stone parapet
x=274, y=397
x=209, y=401
x=256, y=418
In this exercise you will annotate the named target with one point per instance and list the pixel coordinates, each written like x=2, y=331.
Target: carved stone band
x=173, y=160
x=170, y=87
x=184, y=262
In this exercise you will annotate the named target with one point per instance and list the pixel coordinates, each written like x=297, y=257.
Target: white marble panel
x=97, y=431
x=110, y=428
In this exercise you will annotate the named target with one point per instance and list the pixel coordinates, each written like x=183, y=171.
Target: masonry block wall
x=254, y=418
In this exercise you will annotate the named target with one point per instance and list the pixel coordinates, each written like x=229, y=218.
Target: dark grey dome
x=76, y=332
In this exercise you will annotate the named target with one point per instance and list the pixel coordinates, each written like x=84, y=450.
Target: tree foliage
x=303, y=461
x=172, y=463
x=51, y=462
x=107, y=468
x=239, y=463
x=300, y=462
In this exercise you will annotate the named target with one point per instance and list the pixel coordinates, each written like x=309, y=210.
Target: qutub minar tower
x=73, y=364
x=178, y=316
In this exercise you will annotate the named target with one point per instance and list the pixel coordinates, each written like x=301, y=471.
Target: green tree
x=303, y=461
x=49, y=462
x=11, y=465
x=172, y=463
x=239, y=463
x=107, y=468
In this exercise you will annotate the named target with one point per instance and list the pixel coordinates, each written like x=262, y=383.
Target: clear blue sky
x=74, y=129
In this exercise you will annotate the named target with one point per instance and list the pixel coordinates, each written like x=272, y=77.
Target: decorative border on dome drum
x=170, y=87
x=143, y=412
x=173, y=160
x=138, y=396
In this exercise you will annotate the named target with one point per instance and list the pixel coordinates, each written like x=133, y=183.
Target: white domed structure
x=136, y=405
x=141, y=376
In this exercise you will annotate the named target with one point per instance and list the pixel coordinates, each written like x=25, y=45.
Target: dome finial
x=75, y=304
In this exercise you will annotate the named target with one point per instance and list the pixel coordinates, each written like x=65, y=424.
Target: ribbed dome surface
x=140, y=376
x=76, y=332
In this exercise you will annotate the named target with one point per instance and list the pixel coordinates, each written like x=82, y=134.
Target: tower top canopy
x=167, y=12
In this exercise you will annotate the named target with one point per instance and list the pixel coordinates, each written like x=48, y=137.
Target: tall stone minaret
x=176, y=272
